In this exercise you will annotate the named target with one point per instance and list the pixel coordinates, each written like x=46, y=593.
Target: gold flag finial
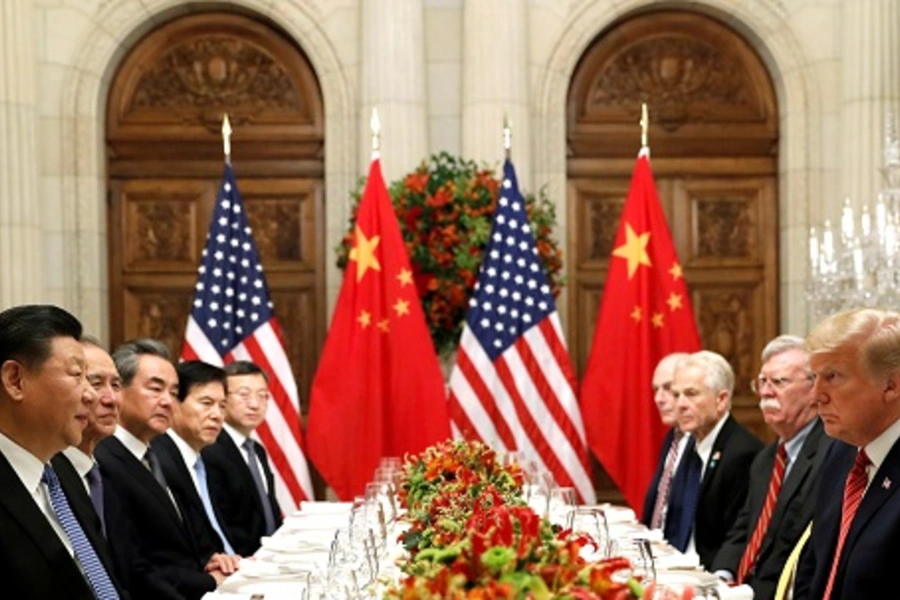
x=226, y=138
x=645, y=124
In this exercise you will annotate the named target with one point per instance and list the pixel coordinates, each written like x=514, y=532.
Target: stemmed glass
x=561, y=506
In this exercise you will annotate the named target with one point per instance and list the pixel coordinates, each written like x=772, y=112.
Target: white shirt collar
x=81, y=461
x=134, y=445
x=704, y=447
x=878, y=449
x=188, y=454
x=238, y=437
x=27, y=466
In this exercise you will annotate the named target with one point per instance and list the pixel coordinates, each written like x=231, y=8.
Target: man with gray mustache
x=783, y=475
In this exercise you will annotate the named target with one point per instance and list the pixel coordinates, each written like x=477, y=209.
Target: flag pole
x=507, y=136
x=226, y=138
x=375, y=126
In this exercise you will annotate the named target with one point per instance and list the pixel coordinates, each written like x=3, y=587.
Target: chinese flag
x=645, y=314
x=378, y=390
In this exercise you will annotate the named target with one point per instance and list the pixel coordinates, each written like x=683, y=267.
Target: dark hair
x=128, y=355
x=245, y=367
x=27, y=332
x=192, y=373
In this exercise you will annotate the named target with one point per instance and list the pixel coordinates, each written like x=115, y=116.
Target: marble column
x=870, y=88
x=20, y=225
x=495, y=83
x=393, y=81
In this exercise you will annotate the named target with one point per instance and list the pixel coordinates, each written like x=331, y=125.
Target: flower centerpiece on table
x=444, y=208
x=472, y=536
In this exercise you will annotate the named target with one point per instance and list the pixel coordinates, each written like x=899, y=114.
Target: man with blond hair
x=782, y=477
x=714, y=474
x=855, y=540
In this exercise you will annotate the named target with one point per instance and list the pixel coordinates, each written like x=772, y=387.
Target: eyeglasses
x=778, y=383
x=245, y=395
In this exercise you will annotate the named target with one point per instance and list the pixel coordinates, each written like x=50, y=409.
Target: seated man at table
x=711, y=484
x=783, y=476
x=240, y=480
x=196, y=422
x=168, y=560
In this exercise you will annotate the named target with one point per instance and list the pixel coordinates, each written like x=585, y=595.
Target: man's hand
x=226, y=564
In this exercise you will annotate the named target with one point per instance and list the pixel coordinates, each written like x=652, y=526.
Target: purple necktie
x=95, y=485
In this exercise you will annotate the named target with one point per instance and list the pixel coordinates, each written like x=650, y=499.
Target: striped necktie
x=854, y=489
x=665, y=481
x=751, y=552
x=87, y=557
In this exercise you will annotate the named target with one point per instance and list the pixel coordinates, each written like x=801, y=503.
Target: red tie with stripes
x=751, y=553
x=853, y=493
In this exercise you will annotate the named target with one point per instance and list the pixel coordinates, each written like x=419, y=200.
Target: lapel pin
x=886, y=484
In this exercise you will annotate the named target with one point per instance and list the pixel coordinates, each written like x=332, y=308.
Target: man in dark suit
x=44, y=405
x=766, y=530
x=246, y=500
x=167, y=561
x=657, y=500
x=76, y=467
x=714, y=472
x=855, y=541
x=197, y=421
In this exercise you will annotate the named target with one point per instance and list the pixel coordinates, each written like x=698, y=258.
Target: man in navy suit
x=44, y=404
x=240, y=479
x=855, y=542
x=714, y=472
x=168, y=561
x=757, y=547
x=655, y=506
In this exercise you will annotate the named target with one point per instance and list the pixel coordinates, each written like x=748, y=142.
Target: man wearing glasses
x=783, y=476
x=240, y=480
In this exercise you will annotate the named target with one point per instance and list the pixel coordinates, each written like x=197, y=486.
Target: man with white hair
x=783, y=477
x=714, y=473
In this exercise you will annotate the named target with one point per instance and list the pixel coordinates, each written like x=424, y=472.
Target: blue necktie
x=96, y=575
x=95, y=484
x=200, y=468
x=683, y=498
x=268, y=514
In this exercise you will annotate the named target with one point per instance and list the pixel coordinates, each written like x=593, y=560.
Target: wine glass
x=561, y=506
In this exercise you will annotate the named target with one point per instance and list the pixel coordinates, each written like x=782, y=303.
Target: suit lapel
x=270, y=480
x=142, y=476
x=802, y=468
x=880, y=490
x=19, y=503
x=236, y=456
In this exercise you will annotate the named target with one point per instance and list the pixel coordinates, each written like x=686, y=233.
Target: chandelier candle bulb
x=813, y=249
x=846, y=222
x=865, y=222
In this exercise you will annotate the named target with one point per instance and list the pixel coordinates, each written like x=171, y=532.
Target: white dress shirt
x=30, y=469
x=82, y=463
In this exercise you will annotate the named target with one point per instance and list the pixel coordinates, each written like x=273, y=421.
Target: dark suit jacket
x=792, y=513
x=34, y=563
x=73, y=486
x=872, y=547
x=182, y=485
x=234, y=493
x=723, y=489
x=650, y=498
x=166, y=557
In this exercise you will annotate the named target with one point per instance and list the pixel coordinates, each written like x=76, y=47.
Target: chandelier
x=857, y=264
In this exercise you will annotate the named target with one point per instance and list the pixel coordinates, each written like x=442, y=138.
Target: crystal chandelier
x=859, y=264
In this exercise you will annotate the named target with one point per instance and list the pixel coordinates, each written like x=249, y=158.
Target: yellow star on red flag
x=363, y=253
x=402, y=307
x=634, y=250
x=636, y=314
x=675, y=271
x=405, y=277
x=658, y=320
x=364, y=318
x=674, y=301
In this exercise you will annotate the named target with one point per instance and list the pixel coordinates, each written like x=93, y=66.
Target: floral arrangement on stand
x=472, y=536
x=444, y=208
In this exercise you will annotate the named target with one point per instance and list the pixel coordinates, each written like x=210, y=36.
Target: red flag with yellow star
x=378, y=390
x=645, y=314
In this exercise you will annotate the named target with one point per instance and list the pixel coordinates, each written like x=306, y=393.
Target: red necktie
x=751, y=552
x=853, y=493
x=665, y=482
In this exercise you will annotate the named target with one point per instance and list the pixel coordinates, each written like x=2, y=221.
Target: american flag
x=513, y=383
x=232, y=318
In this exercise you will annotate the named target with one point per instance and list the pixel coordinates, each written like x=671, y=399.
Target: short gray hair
x=128, y=356
x=718, y=373
x=783, y=343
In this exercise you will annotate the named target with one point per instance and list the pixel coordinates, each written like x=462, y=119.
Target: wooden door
x=713, y=140
x=165, y=164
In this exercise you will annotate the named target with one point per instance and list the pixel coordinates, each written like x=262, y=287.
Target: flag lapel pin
x=713, y=461
x=886, y=484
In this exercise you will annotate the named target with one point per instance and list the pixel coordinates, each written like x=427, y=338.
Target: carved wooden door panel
x=713, y=139
x=165, y=163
